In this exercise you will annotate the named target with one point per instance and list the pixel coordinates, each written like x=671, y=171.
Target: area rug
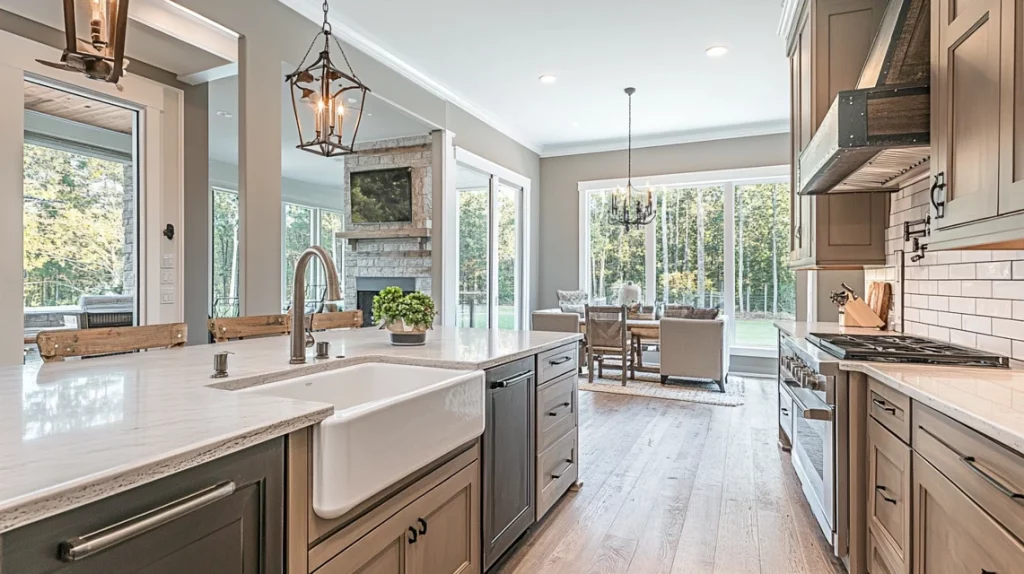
x=649, y=385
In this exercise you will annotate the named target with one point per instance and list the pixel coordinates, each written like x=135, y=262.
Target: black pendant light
x=325, y=88
x=101, y=57
x=631, y=214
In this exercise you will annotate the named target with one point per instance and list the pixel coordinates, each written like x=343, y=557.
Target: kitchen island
x=916, y=445
x=80, y=432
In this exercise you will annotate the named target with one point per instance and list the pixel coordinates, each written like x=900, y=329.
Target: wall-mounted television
x=382, y=195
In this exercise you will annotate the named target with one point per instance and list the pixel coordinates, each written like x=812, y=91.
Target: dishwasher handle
x=512, y=381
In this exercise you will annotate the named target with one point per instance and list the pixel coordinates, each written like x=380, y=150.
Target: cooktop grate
x=904, y=349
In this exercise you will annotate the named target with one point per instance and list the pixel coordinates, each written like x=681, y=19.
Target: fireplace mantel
x=353, y=237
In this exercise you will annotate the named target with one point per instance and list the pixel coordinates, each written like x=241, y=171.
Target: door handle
x=554, y=411
x=423, y=526
x=84, y=546
x=413, y=536
x=558, y=474
x=512, y=381
x=972, y=464
x=559, y=361
x=881, y=490
x=884, y=406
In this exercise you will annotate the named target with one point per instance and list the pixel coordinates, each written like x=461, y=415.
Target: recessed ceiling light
x=716, y=51
x=547, y=79
x=224, y=114
x=352, y=100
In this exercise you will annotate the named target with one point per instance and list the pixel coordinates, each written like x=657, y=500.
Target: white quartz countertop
x=988, y=400
x=78, y=431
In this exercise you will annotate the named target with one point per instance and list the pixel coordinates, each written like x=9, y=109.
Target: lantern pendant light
x=101, y=57
x=631, y=214
x=325, y=89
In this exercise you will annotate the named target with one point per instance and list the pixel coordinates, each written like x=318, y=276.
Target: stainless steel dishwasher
x=508, y=457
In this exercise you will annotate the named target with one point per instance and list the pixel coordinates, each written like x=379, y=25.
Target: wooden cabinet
x=977, y=124
x=223, y=516
x=435, y=534
x=828, y=48
x=889, y=494
x=509, y=453
x=952, y=535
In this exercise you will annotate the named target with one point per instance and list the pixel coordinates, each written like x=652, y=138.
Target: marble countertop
x=78, y=431
x=988, y=400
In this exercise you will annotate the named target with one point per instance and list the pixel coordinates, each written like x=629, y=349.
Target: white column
x=729, y=305
x=259, y=175
x=12, y=303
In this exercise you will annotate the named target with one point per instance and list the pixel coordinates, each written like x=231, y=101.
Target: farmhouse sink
x=389, y=421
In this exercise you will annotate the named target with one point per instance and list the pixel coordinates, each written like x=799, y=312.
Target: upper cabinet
x=977, y=167
x=829, y=42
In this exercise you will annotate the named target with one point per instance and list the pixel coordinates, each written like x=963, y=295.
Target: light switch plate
x=166, y=277
x=167, y=296
x=167, y=261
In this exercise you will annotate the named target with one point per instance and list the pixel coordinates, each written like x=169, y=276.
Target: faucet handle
x=310, y=341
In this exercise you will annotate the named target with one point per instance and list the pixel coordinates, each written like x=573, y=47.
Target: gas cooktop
x=904, y=349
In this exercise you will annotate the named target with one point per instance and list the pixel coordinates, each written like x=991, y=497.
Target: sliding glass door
x=490, y=246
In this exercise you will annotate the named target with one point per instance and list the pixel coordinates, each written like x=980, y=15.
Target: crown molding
x=654, y=140
x=313, y=11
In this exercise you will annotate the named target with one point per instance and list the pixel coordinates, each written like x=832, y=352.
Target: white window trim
x=314, y=239
x=728, y=180
x=450, y=239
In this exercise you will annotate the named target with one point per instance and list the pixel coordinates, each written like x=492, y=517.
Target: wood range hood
x=877, y=135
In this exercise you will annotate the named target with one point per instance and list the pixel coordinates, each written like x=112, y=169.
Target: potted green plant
x=406, y=316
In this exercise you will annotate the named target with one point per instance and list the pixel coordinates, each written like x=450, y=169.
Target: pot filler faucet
x=299, y=297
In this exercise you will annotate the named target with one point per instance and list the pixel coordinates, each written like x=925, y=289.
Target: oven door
x=813, y=453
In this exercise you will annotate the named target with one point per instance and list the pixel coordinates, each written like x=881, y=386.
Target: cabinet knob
x=413, y=536
x=423, y=526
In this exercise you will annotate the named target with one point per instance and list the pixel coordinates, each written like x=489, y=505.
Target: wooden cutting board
x=878, y=298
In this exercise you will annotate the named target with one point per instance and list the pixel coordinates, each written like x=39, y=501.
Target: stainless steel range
x=893, y=348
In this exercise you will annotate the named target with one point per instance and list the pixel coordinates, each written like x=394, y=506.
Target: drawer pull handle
x=512, y=381
x=784, y=411
x=413, y=536
x=884, y=406
x=559, y=361
x=84, y=546
x=423, y=526
x=558, y=474
x=554, y=411
x=881, y=490
x=972, y=464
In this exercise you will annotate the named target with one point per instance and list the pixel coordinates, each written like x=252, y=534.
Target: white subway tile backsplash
x=976, y=324
x=938, y=303
x=976, y=289
x=911, y=314
x=975, y=256
x=928, y=287
x=1018, y=269
x=993, y=270
x=940, y=333
x=963, y=338
x=918, y=273
x=929, y=317
x=951, y=320
x=938, y=272
x=947, y=257
x=1008, y=289
x=950, y=288
x=918, y=301
x=963, y=271
x=1018, y=350
x=1008, y=328
x=911, y=285
x=962, y=305
x=994, y=308
x=1018, y=309
x=995, y=344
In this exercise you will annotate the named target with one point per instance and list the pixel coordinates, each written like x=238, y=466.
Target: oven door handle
x=806, y=404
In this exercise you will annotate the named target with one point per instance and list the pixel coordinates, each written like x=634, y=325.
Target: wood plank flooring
x=678, y=488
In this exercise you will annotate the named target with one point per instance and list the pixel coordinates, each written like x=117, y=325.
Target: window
x=225, y=253
x=717, y=242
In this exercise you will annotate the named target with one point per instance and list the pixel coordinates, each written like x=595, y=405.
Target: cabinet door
x=508, y=463
x=448, y=528
x=889, y=490
x=385, y=550
x=1011, y=161
x=965, y=109
x=952, y=535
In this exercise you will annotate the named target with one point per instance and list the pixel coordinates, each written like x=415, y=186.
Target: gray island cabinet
x=224, y=516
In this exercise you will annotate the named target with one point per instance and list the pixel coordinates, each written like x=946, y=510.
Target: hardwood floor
x=676, y=487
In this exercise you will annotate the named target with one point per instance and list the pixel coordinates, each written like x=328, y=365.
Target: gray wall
x=225, y=176
x=196, y=236
x=559, y=197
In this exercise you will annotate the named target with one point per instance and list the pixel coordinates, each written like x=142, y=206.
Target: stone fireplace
x=379, y=255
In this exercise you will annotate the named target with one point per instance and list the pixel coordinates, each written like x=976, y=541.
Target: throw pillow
x=679, y=311
x=705, y=314
x=571, y=301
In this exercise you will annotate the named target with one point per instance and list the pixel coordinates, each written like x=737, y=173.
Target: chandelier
x=631, y=214
x=101, y=57
x=325, y=89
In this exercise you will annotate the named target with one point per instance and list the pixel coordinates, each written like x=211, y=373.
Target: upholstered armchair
x=695, y=349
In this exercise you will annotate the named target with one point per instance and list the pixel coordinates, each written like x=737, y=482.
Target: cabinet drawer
x=786, y=413
x=880, y=561
x=557, y=362
x=556, y=410
x=889, y=492
x=557, y=470
x=988, y=472
x=952, y=534
x=890, y=408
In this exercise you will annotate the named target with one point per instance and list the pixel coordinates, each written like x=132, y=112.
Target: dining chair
x=57, y=345
x=225, y=329
x=561, y=323
x=335, y=320
x=607, y=337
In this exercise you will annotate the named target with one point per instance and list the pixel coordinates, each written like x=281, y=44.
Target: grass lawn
x=506, y=317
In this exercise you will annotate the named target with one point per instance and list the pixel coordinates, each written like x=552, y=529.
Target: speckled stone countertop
x=78, y=431
x=988, y=400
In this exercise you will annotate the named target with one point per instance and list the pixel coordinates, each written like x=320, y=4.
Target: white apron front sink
x=389, y=421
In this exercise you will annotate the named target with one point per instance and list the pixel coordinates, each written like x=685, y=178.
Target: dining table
x=639, y=330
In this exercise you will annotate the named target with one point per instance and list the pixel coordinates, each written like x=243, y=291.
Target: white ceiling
x=380, y=121
x=488, y=55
